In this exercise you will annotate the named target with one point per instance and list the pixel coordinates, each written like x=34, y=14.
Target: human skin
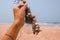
x=19, y=13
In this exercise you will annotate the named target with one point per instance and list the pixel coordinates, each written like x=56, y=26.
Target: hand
x=19, y=13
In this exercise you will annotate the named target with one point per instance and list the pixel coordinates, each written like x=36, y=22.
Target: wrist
x=17, y=23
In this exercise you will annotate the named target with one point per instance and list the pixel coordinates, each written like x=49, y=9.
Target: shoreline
x=41, y=24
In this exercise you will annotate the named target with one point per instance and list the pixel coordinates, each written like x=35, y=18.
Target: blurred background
x=46, y=11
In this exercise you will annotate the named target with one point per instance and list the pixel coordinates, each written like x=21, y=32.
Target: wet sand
x=46, y=33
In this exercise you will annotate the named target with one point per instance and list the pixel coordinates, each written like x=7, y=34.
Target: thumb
x=24, y=7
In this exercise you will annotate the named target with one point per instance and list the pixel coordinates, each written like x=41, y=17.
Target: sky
x=44, y=10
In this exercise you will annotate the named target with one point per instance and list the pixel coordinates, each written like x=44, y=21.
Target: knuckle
x=14, y=8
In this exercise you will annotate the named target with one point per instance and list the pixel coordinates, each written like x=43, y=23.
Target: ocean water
x=54, y=24
x=50, y=24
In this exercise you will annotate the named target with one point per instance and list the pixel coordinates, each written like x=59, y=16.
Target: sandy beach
x=46, y=33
